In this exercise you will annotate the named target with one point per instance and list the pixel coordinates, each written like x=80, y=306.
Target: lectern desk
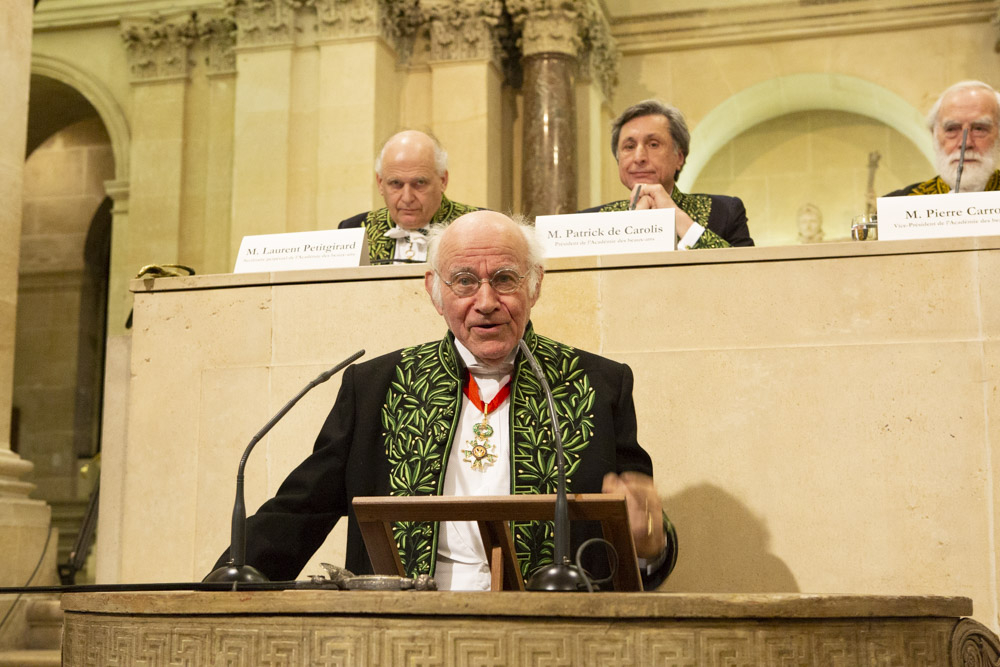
x=376, y=514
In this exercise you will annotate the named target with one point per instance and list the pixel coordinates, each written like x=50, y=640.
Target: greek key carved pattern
x=310, y=640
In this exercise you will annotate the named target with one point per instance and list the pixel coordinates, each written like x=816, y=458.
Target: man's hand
x=645, y=513
x=655, y=196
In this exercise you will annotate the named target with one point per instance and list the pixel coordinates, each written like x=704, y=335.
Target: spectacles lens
x=505, y=281
x=464, y=284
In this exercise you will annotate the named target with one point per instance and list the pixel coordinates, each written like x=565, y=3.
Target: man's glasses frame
x=466, y=283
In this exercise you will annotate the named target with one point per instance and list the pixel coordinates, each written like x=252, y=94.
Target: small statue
x=810, y=222
x=870, y=197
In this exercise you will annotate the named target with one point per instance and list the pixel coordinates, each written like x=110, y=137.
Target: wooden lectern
x=375, y=515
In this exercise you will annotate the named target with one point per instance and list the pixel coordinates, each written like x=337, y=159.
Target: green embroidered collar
x=937, y=186
x=378, y=222
x=420, y=415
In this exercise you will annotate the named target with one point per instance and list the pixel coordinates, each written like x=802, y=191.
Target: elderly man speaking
x=971, y=106
x=411, y=172
x=460, y=416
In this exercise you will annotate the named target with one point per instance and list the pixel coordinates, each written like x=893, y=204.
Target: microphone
x=236, y=570
x=561, y=575
x=961, y=160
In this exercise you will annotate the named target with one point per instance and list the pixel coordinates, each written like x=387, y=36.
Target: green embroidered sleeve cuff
x=710, y=239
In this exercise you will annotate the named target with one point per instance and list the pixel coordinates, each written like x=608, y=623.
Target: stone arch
x=801, y=92
x=98, y=95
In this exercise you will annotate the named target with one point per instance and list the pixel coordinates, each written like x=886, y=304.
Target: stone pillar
x=466, y=103
x=24, y=523
x=357, y=104
x=550, y=43
x=220, y=39
x=261, y=117
x=596, y=81
x=158, y=60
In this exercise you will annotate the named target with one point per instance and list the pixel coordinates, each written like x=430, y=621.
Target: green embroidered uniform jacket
x=724, y=218
x=390, y=433
x=381, y=248
x=936, y=186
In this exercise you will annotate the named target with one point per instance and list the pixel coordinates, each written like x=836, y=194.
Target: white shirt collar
x=478, y=368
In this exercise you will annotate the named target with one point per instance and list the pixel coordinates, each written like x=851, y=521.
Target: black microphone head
x=246, y=574
x=557, y=578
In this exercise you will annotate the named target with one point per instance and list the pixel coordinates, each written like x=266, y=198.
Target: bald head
x=485, y=227
x=411, y=173
x=504, y=257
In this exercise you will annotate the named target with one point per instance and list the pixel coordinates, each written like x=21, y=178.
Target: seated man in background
x=650, y=140
x=461, y=416
x=972, y=106
x=412, y=173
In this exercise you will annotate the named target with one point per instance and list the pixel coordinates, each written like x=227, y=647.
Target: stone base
x=382, y=628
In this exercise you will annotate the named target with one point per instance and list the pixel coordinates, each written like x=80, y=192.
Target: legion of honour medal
x=481, y=451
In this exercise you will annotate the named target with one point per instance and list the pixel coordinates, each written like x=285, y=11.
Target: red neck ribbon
x=472, y=391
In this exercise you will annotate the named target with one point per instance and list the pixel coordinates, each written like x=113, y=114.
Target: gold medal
x=481, y=451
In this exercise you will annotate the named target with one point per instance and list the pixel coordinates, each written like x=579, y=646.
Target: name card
x=613, y=233
x=296, y=251
x=939, y=216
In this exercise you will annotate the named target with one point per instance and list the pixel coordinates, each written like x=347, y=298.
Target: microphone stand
x=561, y=575
x=236, y=569
x=961, y=160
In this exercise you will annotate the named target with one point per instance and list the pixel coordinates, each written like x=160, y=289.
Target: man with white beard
x=972, y=106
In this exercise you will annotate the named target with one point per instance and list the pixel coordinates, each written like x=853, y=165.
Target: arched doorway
x=807, y=141
x=62, y=298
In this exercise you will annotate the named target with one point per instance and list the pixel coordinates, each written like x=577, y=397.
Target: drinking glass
x=864, y=228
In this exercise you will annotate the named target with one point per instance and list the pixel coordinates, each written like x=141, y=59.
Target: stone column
x=24, y=523
x=158, y=59
x=550, y=44
x=261, y=117
x=219, y=37
x=466, y=102
x=596, y=81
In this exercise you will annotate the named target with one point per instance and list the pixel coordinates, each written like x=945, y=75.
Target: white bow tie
x=415, y=237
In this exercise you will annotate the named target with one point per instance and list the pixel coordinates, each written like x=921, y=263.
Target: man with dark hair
x=465, y=416
x=411, y=172
x=972, y=106
x=650, y=140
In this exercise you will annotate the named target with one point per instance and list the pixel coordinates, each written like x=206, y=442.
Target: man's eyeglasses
x=466, y=283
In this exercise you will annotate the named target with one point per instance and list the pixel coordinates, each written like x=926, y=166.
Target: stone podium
x=821, y=418
x=301, y=628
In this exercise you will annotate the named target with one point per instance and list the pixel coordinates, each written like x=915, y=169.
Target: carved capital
x=599, y=56
x=396, y=21
x=157, y=48
x=464, y=29
x=347, y=18
x=550, y=26
x=263, y=22
x=218, y=35
x=160, y=48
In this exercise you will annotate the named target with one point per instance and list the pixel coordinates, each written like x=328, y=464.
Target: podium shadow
x=724, y=547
